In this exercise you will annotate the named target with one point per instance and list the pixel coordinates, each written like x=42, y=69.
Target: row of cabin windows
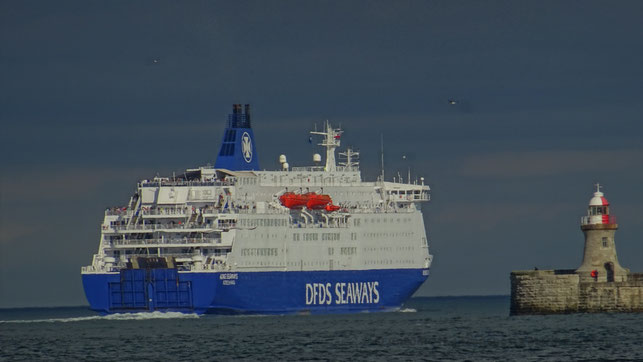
x=337, y=236
x=367, y=262
x=164, y=252
x=260, y=263
x=247, y=181
x=328, y=263
x=262, y=222
x=380, y=249
x=226, y=223
x=407, y=234
x=330, y=236
x=375, y=220
x=315, y=236
x=387, y=262
x=264, y=236
x=405, y=192
x=259, y=252
x=390, y=249
x=348, y=251
x=309, y=236
x=306, y=263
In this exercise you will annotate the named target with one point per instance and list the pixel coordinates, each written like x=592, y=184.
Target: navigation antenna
x=350, y=160
x=382, y=152
x=408, y=179
x=331, y=142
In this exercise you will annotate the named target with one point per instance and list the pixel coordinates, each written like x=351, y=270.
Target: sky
x=97, y=95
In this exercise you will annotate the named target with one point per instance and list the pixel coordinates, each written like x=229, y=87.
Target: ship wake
x=111, y=317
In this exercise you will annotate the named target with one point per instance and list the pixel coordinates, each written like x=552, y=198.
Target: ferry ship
x=237, y=239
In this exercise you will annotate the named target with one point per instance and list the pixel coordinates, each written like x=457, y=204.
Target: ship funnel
x=238, y=152
x=247, y=112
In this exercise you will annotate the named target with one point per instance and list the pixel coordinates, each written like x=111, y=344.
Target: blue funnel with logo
x=238, y=151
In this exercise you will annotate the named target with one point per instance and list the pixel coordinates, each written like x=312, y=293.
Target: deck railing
x=586, y=220
x=178, y=227
x=165, y=241
x=186, y=183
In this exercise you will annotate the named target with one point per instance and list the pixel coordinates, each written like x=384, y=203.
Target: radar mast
x=331, y=142
x=350, y=160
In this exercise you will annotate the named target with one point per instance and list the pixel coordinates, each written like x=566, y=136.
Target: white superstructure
x=213, y=219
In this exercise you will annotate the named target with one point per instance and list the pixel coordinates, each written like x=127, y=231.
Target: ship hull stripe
x=292, y=292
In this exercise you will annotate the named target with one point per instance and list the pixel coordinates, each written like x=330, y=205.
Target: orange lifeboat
x=292, y=200
x=331, y=207
x=317, y=201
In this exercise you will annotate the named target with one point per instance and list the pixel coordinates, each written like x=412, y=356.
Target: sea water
x=438, y=329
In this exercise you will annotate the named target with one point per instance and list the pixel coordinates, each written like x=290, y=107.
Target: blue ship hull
x=140, y=290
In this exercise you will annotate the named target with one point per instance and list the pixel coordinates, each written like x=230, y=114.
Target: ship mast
x=350, y=162
x=331, y=142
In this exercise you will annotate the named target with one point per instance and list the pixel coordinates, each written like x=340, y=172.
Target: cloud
x=549, y=163
x=13, y=232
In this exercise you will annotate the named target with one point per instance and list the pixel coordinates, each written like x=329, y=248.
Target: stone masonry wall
x=544, y=292
x=612, y=297
x=560, y=291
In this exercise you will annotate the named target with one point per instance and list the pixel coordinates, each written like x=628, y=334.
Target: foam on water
x=407, y=310
x=117, y=317
x=151, y=315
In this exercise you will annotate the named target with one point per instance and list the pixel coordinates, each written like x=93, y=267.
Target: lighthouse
x=599, y=285
x=600, y=263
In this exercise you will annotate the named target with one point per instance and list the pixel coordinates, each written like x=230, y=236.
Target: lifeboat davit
x=331, y=207
x=317, y=201
x=292, y=200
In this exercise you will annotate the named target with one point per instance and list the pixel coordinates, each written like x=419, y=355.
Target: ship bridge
x=400, y=192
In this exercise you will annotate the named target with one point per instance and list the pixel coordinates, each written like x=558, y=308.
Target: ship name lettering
x=345, y=293
x=318, y=293
x=227, y=276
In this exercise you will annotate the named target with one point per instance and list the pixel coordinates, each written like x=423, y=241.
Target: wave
x=110, y=317
x=407, y=310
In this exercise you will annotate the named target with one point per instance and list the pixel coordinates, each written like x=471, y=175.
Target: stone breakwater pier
x=599, y=285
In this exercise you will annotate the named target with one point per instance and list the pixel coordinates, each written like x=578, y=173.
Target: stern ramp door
x=150, y=289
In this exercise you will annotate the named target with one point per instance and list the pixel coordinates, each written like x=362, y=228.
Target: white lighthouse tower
x=600, y=263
